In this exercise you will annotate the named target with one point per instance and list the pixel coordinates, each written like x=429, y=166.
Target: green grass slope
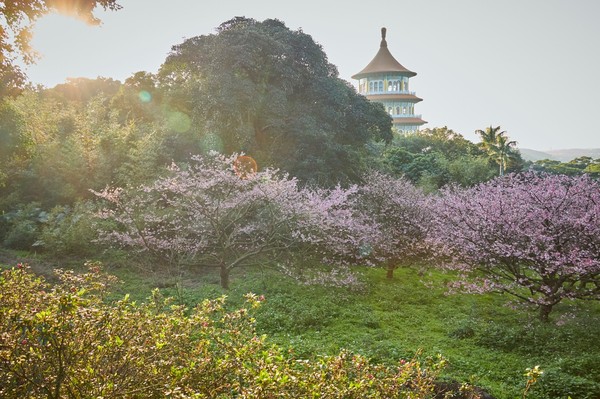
x=485, y=341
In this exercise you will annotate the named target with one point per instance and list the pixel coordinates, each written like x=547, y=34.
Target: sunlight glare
x=80, y=9
x=145, y=96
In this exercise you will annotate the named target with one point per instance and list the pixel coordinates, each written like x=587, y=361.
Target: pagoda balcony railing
x=372, y=92
x=405, y=116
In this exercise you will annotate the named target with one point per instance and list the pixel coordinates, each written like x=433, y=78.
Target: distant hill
x=559, y=155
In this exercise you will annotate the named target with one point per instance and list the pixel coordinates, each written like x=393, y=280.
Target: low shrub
x=585, y=365
x=288, y=314
x=463, y=330
x=65, y=341
x=70, y=230
x=559, y=384
x=21, y=227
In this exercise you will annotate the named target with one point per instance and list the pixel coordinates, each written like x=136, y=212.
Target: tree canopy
x=500, y=149
x=215, y=214
x=534, y=236
x=397, y=209
x=435, y=157
x=270, y=92
x=574, y=167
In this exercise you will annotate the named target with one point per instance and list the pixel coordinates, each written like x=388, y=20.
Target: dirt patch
x=38, y=266
x=452, y=390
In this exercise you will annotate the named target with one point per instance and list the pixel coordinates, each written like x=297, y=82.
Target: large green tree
x=435, y=157
x=269, y=91
x=16, y=21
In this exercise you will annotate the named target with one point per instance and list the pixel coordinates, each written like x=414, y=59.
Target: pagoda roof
x=383, y=62
x=394, y=96
x=408, y=121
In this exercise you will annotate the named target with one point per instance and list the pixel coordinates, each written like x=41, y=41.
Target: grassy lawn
x=486, y=342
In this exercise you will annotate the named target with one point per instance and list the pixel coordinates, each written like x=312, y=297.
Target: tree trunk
x=391, y=266
x=224, y=273
x=545, y=312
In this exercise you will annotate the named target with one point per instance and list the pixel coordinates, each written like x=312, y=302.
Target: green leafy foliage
x=64, y=341
x=270, y=92
x=70, y=231
x=433, y=158
x=63, y=141
x=20, y=227
x=500, y=150
x=14, y=144
x=487, y=342
x=574, y=167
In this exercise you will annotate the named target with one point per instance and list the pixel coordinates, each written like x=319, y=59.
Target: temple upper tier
x=386, y=81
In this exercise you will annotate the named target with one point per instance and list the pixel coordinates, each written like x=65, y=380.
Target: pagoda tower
x=385, y=81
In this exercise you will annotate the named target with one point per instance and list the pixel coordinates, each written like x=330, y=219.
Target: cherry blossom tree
x=208, y=214
x=534, y=236
x=397, y=209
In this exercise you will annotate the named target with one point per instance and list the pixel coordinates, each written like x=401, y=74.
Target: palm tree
x=503, y=152
x=489, y=137
x=497, y=145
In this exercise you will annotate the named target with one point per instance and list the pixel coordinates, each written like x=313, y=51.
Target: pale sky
x=530, y=66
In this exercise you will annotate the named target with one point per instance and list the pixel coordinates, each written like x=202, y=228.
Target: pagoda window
x=376, y=86
x=397, y=110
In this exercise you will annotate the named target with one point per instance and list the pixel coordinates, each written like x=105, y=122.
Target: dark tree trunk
x=224, y=273
x=391, y=266
x=545, y=312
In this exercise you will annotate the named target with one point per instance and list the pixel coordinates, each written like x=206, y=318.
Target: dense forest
x=246, y=151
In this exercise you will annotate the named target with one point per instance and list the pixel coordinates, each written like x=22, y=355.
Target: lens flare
x=245, y=166
x=211, y=142
x=365, y=250
x=179, y=122
x=145, y=96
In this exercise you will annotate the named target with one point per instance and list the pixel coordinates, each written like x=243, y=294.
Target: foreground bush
x=65, y=341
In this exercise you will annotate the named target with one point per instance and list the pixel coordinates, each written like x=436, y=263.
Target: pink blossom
x=534, y=236
x=204, y=214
